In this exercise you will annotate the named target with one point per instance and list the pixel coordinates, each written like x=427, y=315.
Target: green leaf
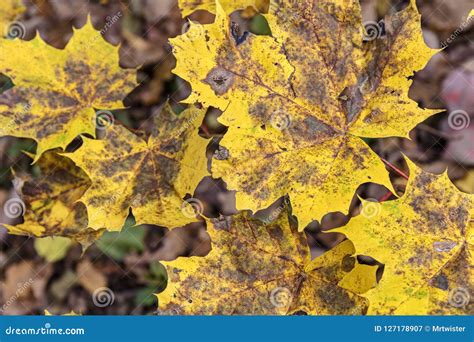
x=118, y=244
x=53, y=248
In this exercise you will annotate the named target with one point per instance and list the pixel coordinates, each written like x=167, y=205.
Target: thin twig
x=396, y=169
x=385, y=197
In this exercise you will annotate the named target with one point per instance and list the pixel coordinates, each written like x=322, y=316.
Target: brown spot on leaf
x=220, y=80
x=336, y=298
x=440, y=281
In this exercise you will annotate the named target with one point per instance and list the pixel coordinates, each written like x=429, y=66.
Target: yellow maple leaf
x=151, y=177
x=258, y=269
x=189, y=6
x=418, y=238
x=48, y=201
x=360, y=279
x=449, y=292
x=70, y=313
x=56, y=91
x=298, y=102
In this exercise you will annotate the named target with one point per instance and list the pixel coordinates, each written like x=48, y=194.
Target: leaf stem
x=396, y=169
x=385, y=197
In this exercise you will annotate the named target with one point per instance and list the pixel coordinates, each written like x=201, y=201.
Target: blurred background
x=127, y=264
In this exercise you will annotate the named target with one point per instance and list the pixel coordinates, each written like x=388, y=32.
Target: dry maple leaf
x=49, y=201
x=54, y=98
x=421, y=238
x=450, y=291
x=298, y=102
x=23, y=286
x=259, y=269
x=151, y=177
